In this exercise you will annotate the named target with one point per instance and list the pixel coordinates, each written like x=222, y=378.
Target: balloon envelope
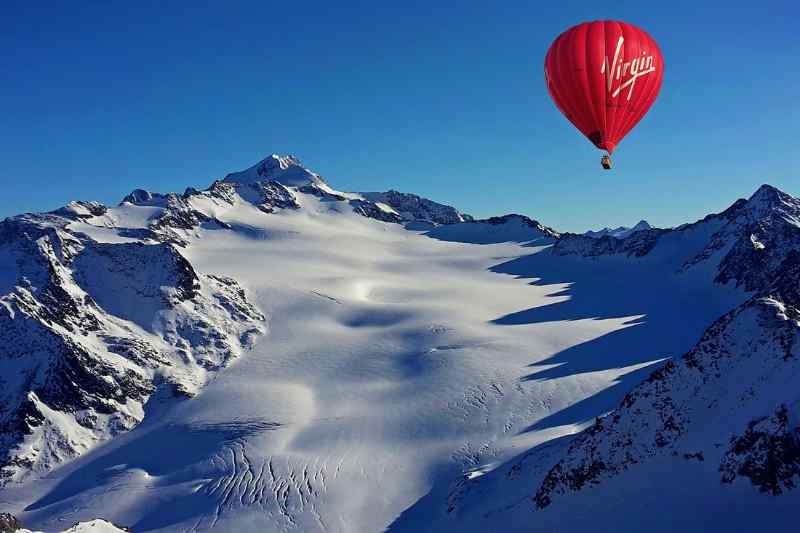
x=604, y=76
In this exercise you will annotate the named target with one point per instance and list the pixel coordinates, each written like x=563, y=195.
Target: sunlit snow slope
x=395, y=365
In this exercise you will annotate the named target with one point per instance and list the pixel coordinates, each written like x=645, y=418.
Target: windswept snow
x=406, y=380
x=395, y=363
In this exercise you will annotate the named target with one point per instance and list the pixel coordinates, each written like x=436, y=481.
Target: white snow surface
x=395, y=363
x=406, y=380
x=92, y=526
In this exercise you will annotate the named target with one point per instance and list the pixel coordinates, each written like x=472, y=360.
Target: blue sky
x=444, y=99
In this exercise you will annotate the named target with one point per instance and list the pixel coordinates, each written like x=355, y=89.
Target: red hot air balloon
x=604, y=76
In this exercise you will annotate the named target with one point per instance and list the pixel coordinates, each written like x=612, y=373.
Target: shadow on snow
x=170, y=454
x=664, y=313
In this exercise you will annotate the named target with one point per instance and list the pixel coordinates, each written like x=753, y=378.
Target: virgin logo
x=617, y=70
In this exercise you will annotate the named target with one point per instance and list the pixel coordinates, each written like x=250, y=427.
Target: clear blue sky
x=444, y=99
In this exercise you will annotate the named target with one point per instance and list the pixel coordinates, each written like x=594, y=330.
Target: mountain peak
x=768, y=199
x=285, y=169
x=620, y=232
x=766, y=191
x=767, y=195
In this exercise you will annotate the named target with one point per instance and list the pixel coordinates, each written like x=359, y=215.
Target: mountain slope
x=357, y=362
x=740, y=375
x=737, y=386
x=89, y=330
x=413, y=208
x=507, y=228
x=723, y=417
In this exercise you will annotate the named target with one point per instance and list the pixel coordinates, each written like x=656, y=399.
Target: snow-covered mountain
x=90, y=329
x=415, y=209
x=507, y=228
x=101, y=310
x=621, y=232
x=751, y=240
x=286, y=170
x=731, y=401
x=271, y=354
x=712, y=434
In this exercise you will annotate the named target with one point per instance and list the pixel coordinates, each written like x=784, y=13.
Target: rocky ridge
x=732, y=400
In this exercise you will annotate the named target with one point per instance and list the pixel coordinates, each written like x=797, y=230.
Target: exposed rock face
x=535, y=224
x=268, y=196
x=767, y=453
x=411, y=208
x=687, y=397
x=752, y=238
x=761, y=235
x=274, y=185
x=179, y=214
x=88, y=331
x=81, y=210
x=736, y=385
x=8, y=523
x=638, y=244
x=372, y=210
x=507, y=228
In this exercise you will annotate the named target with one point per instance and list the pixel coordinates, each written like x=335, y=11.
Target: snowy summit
x=284, y=169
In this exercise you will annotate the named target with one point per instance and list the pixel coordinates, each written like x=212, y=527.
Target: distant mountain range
x=620, y=232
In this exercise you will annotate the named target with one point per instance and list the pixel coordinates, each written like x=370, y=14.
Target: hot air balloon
x=604, y=76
